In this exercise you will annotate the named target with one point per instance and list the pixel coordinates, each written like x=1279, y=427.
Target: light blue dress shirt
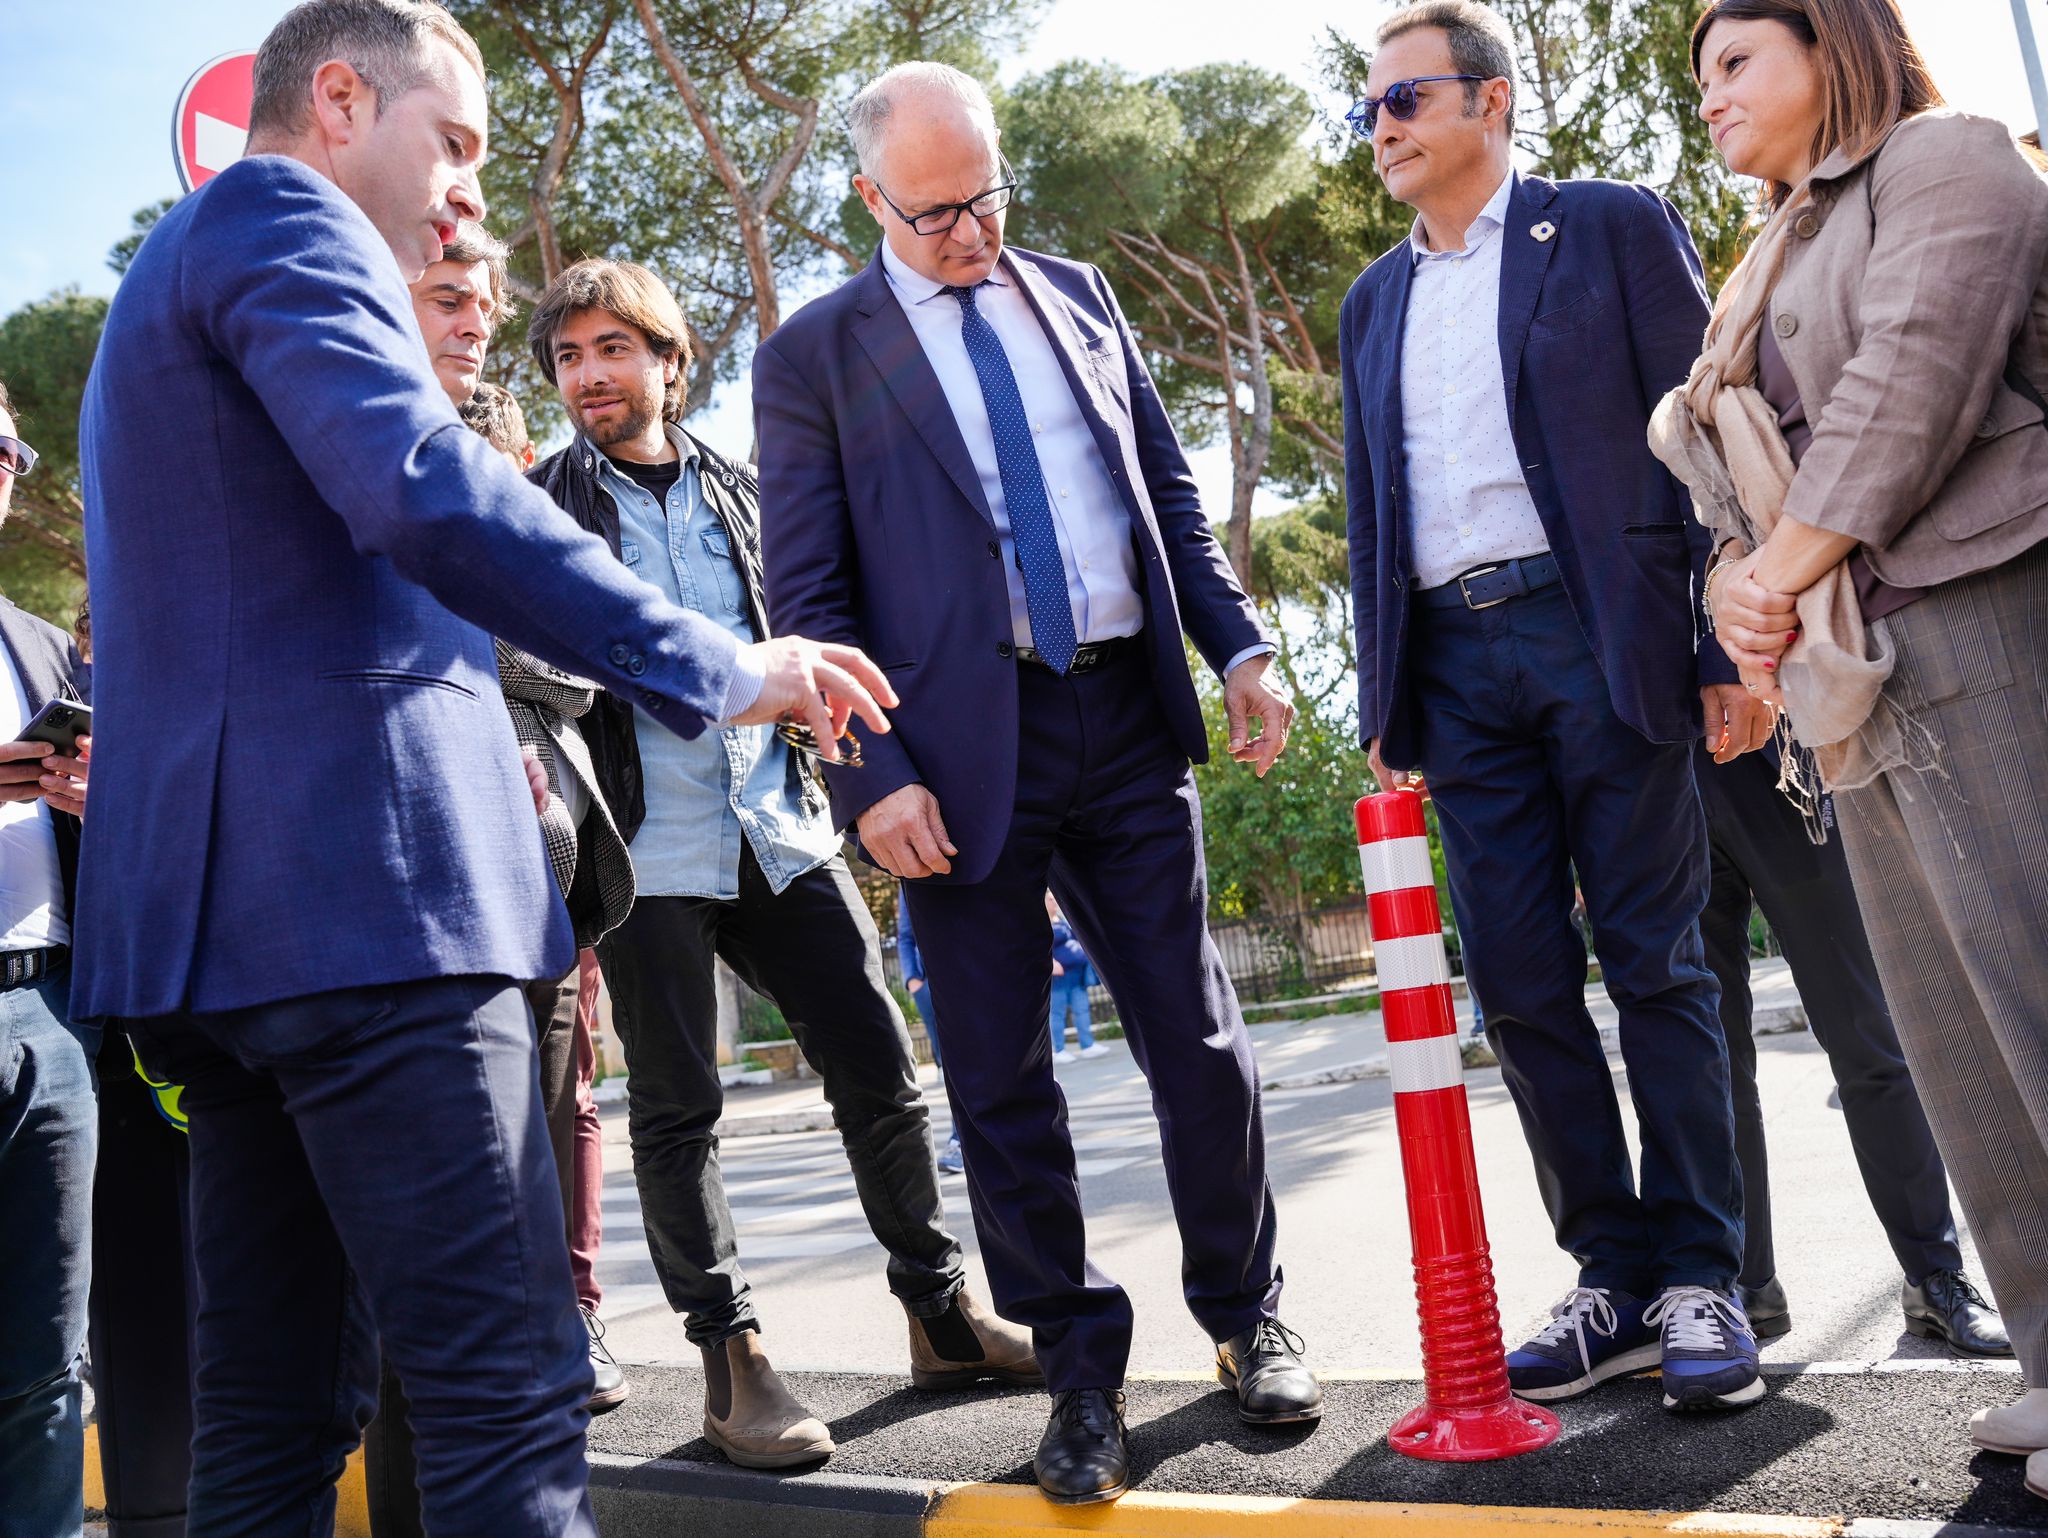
x=707, y=794
x=1088, y=512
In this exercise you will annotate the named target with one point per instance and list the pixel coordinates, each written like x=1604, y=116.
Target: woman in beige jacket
x=1864, y=429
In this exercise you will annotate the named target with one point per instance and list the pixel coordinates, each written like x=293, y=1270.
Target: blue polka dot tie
x=1038, y=546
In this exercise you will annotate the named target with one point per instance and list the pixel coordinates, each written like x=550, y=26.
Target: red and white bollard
x=1469, y=1413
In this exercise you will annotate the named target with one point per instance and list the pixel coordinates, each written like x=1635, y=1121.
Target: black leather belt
x=18, y=969
x=1484, y=586
x=1088, y=657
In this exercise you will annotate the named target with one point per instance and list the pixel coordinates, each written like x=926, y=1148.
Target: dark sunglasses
x=936, y=221
x=1401, y=100
x=805, y=741
x=16, y=457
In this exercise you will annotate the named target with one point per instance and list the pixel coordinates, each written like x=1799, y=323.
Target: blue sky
x=85, y=112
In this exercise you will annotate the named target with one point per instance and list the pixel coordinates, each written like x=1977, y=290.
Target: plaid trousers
x=1951, y=869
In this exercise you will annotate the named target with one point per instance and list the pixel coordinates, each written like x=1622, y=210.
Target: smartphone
x=60, y=723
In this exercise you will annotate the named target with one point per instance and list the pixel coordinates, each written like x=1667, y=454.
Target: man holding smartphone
x=48, y=1116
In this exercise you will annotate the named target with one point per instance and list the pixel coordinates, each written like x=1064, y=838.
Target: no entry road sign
x=212, y=122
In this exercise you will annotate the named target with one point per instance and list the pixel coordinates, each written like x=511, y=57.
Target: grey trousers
x=1951, y=867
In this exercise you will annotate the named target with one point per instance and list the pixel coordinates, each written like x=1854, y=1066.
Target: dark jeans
x=928, y=1011
x=1106, y=813
x=368, y=1163
x=142, y=1314
x=48, y=1134
x=813, y=950
x=1533, y=773
x=1761, y=851
x=390, y=1461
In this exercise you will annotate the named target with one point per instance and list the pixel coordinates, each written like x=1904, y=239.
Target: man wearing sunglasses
x=1522, y=570
x=964, y=463
x=734, y=857
x=48, y=1113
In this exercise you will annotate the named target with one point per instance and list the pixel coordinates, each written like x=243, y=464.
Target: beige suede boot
x=749, y=1416
x=968, y=1344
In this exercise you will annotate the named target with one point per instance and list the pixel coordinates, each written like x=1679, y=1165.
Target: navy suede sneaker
x=1595, y=1333
x=1709, y=1350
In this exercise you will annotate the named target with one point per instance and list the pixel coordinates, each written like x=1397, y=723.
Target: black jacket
x=734, y=496
x=50, y=668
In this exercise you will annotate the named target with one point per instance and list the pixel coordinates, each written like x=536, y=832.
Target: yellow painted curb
x=352, y=1504
x=1006, y=1511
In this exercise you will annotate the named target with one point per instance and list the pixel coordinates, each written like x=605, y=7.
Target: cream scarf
x=1718, y=434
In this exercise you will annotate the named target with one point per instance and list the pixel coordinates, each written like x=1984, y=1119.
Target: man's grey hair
x=1481, y=43
x=385, y=41
x=867, y=116
x=473, y=244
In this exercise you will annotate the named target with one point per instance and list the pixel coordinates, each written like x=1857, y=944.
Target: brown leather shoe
x=749, y=1416
x=968, y=1344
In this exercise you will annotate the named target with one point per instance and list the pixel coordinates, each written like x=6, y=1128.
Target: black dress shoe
x=611, y=1387
x=1769, y=1314
x=1947, y=1307
x=1083, y=1457
x=1264, y=1366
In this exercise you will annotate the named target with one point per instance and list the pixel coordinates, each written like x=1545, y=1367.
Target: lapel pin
x=1544, y=230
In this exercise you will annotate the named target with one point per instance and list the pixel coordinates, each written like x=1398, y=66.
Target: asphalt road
x=818, y=1274
x=1852, y=1445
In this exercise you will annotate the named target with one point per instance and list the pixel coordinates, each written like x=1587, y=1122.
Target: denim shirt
x=705, y=795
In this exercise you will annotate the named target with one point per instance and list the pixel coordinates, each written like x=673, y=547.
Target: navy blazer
x=304, y=777
x=875, y=532
x=1597, y=323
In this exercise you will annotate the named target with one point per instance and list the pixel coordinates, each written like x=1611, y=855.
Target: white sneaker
x=2037, y=1475
x=2018, y=1429
x=1095, y=1050
x=1065, y=1055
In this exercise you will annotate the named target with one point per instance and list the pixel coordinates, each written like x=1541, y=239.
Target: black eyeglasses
x=936, y=221
x=16, y=457
x=805, y=741
x=1401, y=100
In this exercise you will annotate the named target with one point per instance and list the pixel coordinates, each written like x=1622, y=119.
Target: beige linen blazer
x=1908, y=289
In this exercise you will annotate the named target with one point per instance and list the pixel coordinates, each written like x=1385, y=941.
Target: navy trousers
x=374, y=1161
x=1535, y=777
x=1762, y=854
x=1106, y=813
x=48, y=1136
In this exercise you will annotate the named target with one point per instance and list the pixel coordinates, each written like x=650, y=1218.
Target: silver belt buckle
x=1466, y=593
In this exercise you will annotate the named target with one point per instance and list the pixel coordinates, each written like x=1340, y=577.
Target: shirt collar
x=684, y=447
x=915, y=287
x=1491, y=218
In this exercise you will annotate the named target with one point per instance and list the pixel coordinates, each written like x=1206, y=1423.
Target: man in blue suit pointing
x=1522, y=573
x=313, y=878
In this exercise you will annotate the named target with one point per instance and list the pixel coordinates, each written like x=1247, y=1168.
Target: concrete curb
x=658, y=1498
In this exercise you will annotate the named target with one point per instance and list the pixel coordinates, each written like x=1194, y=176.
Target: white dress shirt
x=31, y=881
x=1467, y=502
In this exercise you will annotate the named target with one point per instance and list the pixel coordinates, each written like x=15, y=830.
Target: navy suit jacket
x=304, y=777
x=1597, y=323
x=875, y=532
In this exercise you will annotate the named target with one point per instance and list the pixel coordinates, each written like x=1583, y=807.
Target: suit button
x=1807, y=227
x=1785, y=325
x=636, y=665
x=651, y=700
x=619, y=654
x=995, y=550
x=1002, y=648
